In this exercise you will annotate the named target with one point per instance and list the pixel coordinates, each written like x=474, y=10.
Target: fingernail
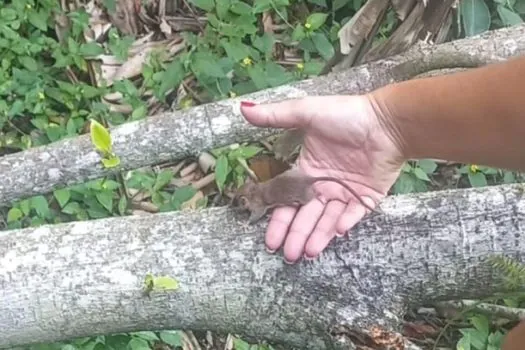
x=247, y=104
x=288, y=261
x=309, y=258
x=270, y=251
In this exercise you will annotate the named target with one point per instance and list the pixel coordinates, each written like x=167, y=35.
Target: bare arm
x=477, y=116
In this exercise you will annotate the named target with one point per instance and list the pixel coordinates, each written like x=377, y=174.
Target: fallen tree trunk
x=85, y=278
x=186, y=133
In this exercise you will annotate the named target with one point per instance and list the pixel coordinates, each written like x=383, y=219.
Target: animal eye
x=243, y=201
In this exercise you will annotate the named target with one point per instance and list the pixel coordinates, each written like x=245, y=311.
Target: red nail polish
x=247, y=104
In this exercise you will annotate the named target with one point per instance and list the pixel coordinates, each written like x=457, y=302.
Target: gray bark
x=77, y=279
x=181, y=134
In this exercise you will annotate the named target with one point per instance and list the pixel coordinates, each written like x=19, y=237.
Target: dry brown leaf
x=165, y=27
x=361, y=24
x=267, y=22
x=266, y=167
x=204, y=181
x=403, y=7
x=190, y=168
x=125, y=17
x=229, y=343
x=177, y=167
x=140, y=212
x=206, y=161
x=183, y=24
x=144, y=206
x=419, y=330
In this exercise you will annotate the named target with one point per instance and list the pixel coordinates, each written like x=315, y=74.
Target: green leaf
x=25, y=206
x=508, y=17
x=239, y=344
x=264, y=43
x=172, y=338
x=420, y=174
x=508, y=177
x=481, y=323
x=222, y=169
x=165, y=282
x=14, y=214
x=163, y=178
x=138, y=344
x=224, y=85
x=39, y=203
x=323, y=46
x=316, y=20
x=475, y=15
x=235, y=49
x=520, y=7
x=276, y=75
x=146, y=335
x=477, y=179
x=404, y=184
x=298, y=33
x=428, y=165
x=91, y=49
x=38, y=19
x=111, y=162
x=338, y=4
x=106, y=199
x=221, y=8
x=241, y=8
x=464, y=343
x=183, y=194
x=139, y=112
x=71, y=208
x=206, y=63
x=62, y=196
x=172, y=77
x=100, y=137
x=261, y=6
x=29, y=63
x=7, y=14
x=206, y=5
x=109, y=185
x=258, y=76
x=245, y=152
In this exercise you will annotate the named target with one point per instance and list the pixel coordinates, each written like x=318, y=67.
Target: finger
x=293, y=113
x=300, y=229
x=324, y=231
x=353, y=212
x=280, y=221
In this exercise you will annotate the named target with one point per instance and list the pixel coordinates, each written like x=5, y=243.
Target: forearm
x=477, y=116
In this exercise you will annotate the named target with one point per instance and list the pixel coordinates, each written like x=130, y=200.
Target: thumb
x=293, y=113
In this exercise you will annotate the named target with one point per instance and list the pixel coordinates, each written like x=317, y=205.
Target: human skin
x=477, y=116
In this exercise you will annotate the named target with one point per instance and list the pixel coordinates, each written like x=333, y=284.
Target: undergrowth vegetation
x=50, y=90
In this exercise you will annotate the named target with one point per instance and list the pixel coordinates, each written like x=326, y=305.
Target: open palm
x=344, y=139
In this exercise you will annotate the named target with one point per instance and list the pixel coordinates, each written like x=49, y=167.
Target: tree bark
x=78, y=279
x=186, y=133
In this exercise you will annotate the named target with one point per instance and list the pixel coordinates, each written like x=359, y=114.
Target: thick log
x=186, y=133
x=77, y=279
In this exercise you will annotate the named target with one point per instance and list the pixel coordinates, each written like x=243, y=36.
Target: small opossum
x=289, y=188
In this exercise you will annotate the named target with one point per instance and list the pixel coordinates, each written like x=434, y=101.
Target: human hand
x=344, y=138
